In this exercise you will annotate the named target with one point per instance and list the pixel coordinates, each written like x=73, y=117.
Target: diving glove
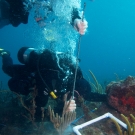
x=3, y=52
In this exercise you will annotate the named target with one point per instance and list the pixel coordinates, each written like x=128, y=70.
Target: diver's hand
x=72, y=106
x=80, y=26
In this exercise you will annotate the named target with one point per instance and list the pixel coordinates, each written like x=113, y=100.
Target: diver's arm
x=71, y=106
x=77, y=22
x=75, y=15
x=20, y=85
x=97, y=97
x=12, y=69
x=84, y=89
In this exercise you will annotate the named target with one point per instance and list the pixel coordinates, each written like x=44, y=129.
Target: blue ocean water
x=109, y=45
x=106, y=49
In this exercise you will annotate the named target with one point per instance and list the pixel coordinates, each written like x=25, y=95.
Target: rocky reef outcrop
x=121, y=95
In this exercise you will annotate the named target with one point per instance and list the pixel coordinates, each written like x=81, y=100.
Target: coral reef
x=97, y=86
x=61, y=123
x=121, y=95
x=130, y=127
x=12, y=120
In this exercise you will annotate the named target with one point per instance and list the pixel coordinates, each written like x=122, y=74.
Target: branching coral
x=130, y=127
x=32, y=108
x=60, y=123
x=97, y=87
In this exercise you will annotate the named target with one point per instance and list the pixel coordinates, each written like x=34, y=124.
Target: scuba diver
x=51, y=72
x=15, y=12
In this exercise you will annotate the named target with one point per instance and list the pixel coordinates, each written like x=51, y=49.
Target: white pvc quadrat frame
x=106, y=115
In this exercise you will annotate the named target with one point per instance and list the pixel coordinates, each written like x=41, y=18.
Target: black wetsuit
x=57, y=71
x=14, y=12
x=18, y=13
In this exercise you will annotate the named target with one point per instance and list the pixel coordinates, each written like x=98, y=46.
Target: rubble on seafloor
x=121, y=96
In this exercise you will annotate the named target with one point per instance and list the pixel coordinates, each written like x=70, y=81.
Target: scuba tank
x=24, y=54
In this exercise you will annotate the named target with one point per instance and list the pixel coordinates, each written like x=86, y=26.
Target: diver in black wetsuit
x=15, y=12
x=52, y=72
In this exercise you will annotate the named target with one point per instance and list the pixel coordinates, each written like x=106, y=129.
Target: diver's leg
x=9, y=68
x=7, y=63
x=19, y=85
x=41, y=101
